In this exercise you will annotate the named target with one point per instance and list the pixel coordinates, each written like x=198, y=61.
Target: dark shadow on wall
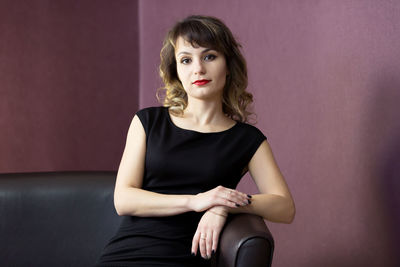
x=379, y=161
x=388, y=159
x=390, y=188
x=382, y=147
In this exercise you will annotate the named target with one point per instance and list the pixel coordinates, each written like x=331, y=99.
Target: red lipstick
x=201, y=82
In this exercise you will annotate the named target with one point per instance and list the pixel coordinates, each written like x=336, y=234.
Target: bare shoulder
x=131, y=167
x=266, y=173
x=136, y=128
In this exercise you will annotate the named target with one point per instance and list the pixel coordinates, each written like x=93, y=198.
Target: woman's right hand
x=219, y=196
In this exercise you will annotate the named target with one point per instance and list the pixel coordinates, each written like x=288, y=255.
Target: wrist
x=218, y=213
x=189, y=202
x=220, y=210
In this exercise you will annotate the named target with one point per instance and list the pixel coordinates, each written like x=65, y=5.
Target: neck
x=204, y=112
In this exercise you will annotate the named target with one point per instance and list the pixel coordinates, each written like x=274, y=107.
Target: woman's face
x=201, y=70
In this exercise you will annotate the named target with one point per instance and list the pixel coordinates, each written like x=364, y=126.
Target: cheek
x=222, y=75
x=182, y=77
x=222, y=70
x=181, y=74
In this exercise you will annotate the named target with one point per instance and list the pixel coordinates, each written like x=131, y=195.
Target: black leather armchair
x=245, y=241
x=66, y=218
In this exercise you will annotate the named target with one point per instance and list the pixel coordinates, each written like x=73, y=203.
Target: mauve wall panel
x=68, y=83
x=325, y=77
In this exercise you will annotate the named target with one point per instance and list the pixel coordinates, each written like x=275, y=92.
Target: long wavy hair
x=212, y=33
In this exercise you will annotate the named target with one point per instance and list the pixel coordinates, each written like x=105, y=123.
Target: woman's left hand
x=208, y=230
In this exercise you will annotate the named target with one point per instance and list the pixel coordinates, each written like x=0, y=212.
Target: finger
x=195, y=242
x=203, y=251
x=226, y=202
x=236, y=197
x=242, y=196
x=209, y=241
x=215, y=238
x=231, y=191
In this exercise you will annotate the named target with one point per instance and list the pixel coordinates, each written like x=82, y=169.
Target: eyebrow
x=187, y=53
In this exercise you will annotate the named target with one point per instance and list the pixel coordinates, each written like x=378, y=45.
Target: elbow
x=290, y=213
x=122, y=209
x=285, y=213
x=119, y=204
x=282, y=211
x=119, y=210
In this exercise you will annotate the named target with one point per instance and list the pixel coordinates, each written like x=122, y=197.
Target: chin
x=205, y=94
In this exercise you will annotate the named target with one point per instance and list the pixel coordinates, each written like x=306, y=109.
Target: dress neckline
x=166, y=109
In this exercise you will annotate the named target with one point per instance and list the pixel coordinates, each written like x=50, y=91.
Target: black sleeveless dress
x=179, y=161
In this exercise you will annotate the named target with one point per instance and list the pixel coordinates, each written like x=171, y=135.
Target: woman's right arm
x=130, y=199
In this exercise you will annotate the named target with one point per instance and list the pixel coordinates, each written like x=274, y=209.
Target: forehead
x=182, y=45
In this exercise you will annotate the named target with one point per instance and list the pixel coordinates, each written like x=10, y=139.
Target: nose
x=199, y=67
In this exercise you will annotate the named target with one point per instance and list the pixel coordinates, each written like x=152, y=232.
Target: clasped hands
x=216, y=203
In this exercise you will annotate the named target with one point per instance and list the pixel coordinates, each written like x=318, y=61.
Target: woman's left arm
x=275, y=202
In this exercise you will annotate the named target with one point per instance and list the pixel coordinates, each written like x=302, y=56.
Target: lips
x=201, y=82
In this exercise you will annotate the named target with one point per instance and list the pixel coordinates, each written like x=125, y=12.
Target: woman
x=176, y=180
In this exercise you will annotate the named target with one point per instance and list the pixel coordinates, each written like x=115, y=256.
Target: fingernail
x=193, y=254
x=212, y=252
x=249, y=201
x=237, y=205
x=249, y=196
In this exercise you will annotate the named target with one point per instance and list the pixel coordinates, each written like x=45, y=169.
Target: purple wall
x=68, y=83
x=325, y=76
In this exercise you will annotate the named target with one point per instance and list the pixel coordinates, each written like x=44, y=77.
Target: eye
x=185, y=60
x=209, y=57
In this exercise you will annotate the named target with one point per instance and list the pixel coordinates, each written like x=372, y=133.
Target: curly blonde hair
x=208, y=32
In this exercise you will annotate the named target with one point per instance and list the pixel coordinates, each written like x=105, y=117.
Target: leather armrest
x=244, y=241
